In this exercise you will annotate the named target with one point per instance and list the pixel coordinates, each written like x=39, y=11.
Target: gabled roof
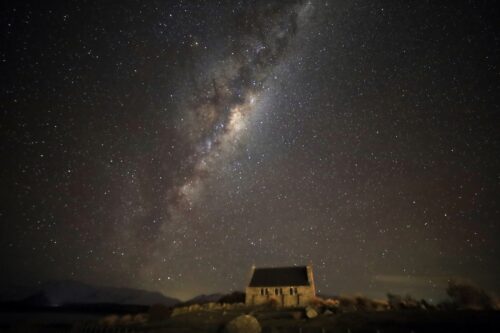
x=279, y=276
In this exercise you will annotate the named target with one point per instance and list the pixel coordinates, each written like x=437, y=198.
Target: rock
x=311, y=312
x=243, y=324
x=328, y=312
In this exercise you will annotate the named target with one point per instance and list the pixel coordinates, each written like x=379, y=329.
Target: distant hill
x=234, y=297
x=202, y=299
x=72, y=292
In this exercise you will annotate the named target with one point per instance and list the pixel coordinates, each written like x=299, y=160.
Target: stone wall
x=299, y=296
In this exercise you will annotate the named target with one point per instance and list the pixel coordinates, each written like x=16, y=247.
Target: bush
x=411, y=303
x=126, y=319
x=466, y=296
x=347, y=304
x=316, y=302
x=234, y=297
x=110, y=320
x=395, y=301
x=380, y=305
x=331, y=303
x=425, y=305
x=140, y=318
x=365, y=304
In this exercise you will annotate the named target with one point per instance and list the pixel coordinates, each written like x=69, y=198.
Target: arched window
x=261, y=291
x=276, y=291
x=291, y=291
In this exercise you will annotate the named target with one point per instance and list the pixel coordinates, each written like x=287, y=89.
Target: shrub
x=317, y=302
x=126, y=319
x=331, y=303
x=347, y=304
x=234, y=297
x=110, y=320
x=380, y=305
x=140, y=318
x=466, y=296
x=410, y=303
x=426, y=305
x=395, y=301
x=364, y=303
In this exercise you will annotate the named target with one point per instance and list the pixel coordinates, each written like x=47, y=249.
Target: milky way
x=219, y=114
x=171, y=145
x=217, y=119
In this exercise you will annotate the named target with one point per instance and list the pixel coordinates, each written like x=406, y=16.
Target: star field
x=172, y=145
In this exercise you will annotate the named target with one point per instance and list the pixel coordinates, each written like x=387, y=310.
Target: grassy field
x=276, y=321
x=387, y=321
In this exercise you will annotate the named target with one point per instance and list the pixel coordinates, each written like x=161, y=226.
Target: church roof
x=280, y=276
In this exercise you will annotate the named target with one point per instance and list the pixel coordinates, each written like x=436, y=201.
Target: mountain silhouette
x=60, y=293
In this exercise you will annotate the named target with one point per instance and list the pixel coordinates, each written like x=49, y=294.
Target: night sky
x=170, y=145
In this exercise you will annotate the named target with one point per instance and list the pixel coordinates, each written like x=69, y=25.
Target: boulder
x=243, y=324
x=328, y=312
x=311, y=312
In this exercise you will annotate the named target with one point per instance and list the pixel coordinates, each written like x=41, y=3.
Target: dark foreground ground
x=271, y=321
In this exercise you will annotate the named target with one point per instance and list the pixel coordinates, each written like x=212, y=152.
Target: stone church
x=288, y=286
